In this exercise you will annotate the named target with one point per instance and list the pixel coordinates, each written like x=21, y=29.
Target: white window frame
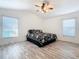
x=75, y=28
x=3, y=29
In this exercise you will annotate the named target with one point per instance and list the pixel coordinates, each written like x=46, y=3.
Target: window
x=10, y=27
x=69, y=26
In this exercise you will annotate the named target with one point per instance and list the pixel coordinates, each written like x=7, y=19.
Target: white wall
x=27, y=21
x=54, y=25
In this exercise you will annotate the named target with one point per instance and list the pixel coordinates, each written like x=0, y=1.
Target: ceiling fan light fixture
x=45, y=7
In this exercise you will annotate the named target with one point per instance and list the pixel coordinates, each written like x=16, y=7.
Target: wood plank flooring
x=27, y=50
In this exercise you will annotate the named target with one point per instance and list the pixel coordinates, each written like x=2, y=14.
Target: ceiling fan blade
x=50, y=8
x=37, y=5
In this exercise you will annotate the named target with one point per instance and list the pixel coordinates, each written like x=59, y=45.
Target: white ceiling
x=60, y=6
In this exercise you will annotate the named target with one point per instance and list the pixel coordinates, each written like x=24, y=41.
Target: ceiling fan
x=45, y=7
